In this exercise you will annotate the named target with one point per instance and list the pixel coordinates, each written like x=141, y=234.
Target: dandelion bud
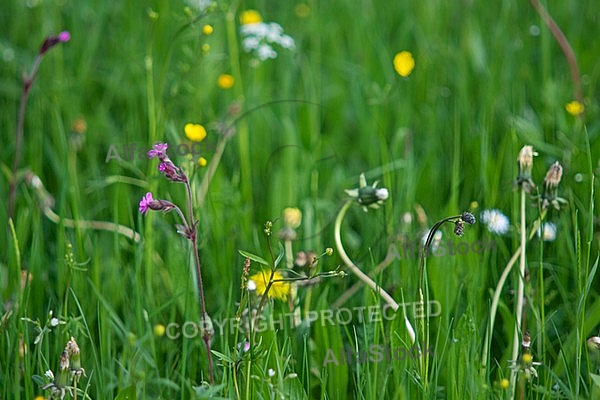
x=553, y=176
x=525, y=160
x=62, y=379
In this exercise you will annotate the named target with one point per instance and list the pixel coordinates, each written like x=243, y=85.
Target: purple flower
x=52, y=41
x=145, y=203
x=64, y=36
x=158, y=150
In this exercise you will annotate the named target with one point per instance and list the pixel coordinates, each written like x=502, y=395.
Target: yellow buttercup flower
x=225, y=81
x=159, y=330
x=278, y=290
x=250, y=17
x=194, y=132
x=202, y=162
x=504, y=383
x=207, y=30
x=574, y=108
x=404, y=63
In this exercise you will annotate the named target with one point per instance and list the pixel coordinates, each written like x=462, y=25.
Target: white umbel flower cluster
x=260, y=37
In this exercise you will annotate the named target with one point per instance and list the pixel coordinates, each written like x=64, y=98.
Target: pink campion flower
x=52, y=41
x=158, y=150
x=64, y=36
x=145, y=203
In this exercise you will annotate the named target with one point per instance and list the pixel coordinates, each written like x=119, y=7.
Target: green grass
x=443, y=140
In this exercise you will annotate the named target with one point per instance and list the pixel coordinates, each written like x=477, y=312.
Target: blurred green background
x=489, y=78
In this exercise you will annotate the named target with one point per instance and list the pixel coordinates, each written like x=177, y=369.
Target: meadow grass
x=489, y=79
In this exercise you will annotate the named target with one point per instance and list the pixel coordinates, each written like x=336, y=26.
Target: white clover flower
x=549, y=233
x=54, y=322
x=495, y=221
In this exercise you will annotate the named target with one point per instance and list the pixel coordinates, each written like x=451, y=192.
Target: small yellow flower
x=250, y=17
x=159, y=330
x=504, y=383
x=39, y=398
x=302, y=10
x=279, y=290
x=225, y=81
x=574, y=108
x=202, y=162
x=207, y=30
x=194, y=132
x=527, y=358
x=404, y=63
x=292, y=217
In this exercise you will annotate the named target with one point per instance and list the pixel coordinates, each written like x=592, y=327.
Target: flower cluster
x=166, y=166
x=258, y=38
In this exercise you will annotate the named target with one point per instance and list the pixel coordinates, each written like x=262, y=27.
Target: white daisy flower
x=495, y=221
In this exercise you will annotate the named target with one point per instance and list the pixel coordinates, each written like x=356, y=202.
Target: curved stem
x=361, y=275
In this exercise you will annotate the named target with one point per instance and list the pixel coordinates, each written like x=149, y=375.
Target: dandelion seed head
x=495, y=221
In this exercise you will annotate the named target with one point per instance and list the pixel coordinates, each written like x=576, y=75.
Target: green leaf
x=280, y=256
x=254, y=258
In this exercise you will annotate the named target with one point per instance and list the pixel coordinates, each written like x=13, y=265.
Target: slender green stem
x=206, y=336
x=520, y=290
x=498, y=291
x=27, y=83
